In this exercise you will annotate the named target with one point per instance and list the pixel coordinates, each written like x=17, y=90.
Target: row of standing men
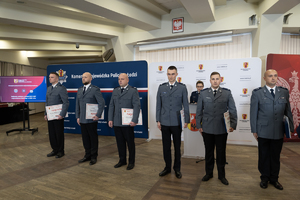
x=268, y=106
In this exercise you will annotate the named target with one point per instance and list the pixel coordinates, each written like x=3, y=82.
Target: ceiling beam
x=61, y=54
x=277, y=6
x=23, y=33
x=120, y=11
x=200, y=11
x=220, y=2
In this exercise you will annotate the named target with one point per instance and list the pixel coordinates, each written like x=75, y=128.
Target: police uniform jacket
x=211, y=109
x=92, y=95
x=58, y=95
x=170, y=102
x=194, y=97
x=266, y=112
x=129, y=98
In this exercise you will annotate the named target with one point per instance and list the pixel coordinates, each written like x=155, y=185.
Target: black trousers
x=269, y=158
x=90, y=139
x=125, y=135
x=175, y=131
x=56, y=135
x=210, y=142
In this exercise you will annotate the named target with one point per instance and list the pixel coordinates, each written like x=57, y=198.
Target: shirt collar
x=269, y=88
x=124, y=87
x=214, y=89
x=87, y=86
x=54, y=85
x=172, y=84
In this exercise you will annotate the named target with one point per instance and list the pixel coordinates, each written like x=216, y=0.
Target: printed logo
x=160, y=68
x=201, y=66
x=15, y=90
x=245, y=64
x=245, y=67
x=16, y=80
x=244, y=116
x=23, y=90
x=179, y=79
x=222, y=79
x=192, y=125
x=245, y=90
x=62, y=76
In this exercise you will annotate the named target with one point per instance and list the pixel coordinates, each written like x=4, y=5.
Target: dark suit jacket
x=58, y=95
x=194, y=97
x=92, y=95
x=128, y=99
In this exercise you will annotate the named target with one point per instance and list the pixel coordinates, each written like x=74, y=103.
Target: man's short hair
x=56, y=74
x=201, y=82
x=172, y=68
x=215, y=73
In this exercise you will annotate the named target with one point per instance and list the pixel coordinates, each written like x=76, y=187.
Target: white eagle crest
x=177, y=24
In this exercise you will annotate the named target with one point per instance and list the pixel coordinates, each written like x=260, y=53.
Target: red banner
x=288, y=67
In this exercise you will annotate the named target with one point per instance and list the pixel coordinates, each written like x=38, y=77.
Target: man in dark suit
x=56, y=94
x=89, y=94
x=269, y=105
x=171, y=97
x=124, y=96
x=212, y=103
x=195, y=94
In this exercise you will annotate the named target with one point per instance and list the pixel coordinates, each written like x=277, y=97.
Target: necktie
x=122, y=89
x=272, y=93
x=84, y=90
x=215, y=92
x=52, y=87
x=171, y=87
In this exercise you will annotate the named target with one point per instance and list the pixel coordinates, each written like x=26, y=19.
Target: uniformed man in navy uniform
x=212, y=103
x=269, y=105
x=171, y=97
x=195, y=94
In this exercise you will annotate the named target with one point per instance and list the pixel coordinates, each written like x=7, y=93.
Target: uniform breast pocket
x=282, y=101
x=206, y=100
x=265, y=101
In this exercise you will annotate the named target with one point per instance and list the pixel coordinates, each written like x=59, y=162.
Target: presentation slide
x=23, y=88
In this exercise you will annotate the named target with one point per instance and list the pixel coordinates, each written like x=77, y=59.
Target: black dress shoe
x=276, y=185
x=164, y=172
x=93, y=161
x=130, y=166
x=178, y=174
x=84, y=159
x=119, y=165
x=207, y=177
x=59, y=155
x=51, y=154
x=224, y=181
x=263, y=184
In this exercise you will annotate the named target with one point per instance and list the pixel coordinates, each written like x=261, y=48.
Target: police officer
x=171, y=96
x=124, y=96
x=268, y=106
x=89, y=94
x=212, y=103
x=56, y=94
x=195, y=94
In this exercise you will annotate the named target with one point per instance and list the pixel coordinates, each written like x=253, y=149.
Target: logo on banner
x=245, y=93
x=15, y=90
x=160, y=68
x=244, y=118
x=16, y=80
x=192, y=125
x=179, y=79
x=222, y=80
x=200, y=67
x=62, y=76
x=245, y=67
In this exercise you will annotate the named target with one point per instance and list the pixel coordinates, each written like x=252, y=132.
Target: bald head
x=123, y=79
x=271, y=76
x=86, y=78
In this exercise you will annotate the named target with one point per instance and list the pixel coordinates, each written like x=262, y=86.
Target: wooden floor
x=26, y=172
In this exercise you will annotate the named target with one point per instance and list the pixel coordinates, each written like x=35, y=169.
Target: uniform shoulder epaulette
x=95, y=86
x=164, y=83
x=181, y=84
x=257, y=88
x=225, y=89
x=204, y=89
x=116, y=87
x=282, y=87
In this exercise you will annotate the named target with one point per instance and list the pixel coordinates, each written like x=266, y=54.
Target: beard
x=85, y=83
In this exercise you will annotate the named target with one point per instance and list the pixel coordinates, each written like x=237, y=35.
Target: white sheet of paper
x=227, y=121
x=91, y=111
x=127, y=114
x=53, y=111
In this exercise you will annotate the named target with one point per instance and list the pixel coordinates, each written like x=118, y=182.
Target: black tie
x=122, y=89
x=83, y=90
x=52, y=87
x=215, y=92
x=272, y=93
x=171, y=87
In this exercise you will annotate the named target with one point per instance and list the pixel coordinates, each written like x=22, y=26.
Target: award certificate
x=127, y=114
x=227, y=121
x=53, y=111
x=91, y=111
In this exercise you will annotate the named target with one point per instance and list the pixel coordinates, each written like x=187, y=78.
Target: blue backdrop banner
x=105, y=76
